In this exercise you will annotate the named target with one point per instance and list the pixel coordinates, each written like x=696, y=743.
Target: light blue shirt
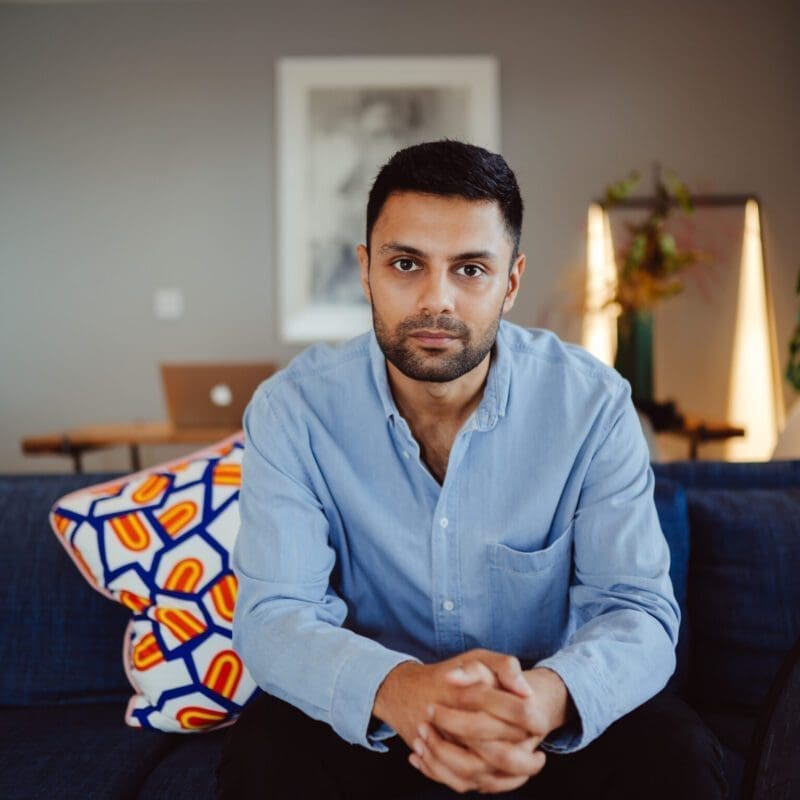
x=543, y=541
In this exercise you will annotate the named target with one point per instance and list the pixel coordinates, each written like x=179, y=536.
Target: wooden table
x=699, y=431
x=77, y=441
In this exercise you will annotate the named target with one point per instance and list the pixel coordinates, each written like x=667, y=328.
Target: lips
x=433, y=338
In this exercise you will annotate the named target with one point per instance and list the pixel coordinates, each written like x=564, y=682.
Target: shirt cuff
x=357, y=683
x=583, y=690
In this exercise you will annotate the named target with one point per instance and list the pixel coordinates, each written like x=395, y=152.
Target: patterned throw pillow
x=159, y=542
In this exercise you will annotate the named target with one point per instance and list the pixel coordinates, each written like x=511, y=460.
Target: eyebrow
x=399, y=247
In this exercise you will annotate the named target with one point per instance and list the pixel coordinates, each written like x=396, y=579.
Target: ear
x=363, y=260
x=514, y=278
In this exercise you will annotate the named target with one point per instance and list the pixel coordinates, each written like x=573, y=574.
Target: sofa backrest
x=743, y=592
x=670, y=499
x=61, y=642
x=735, y=578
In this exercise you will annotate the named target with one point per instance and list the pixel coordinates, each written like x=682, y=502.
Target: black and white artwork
x=340, y=120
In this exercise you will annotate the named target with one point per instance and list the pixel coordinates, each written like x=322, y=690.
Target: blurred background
x=138, y=154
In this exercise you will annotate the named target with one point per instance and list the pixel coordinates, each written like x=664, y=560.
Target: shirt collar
x=495, y=394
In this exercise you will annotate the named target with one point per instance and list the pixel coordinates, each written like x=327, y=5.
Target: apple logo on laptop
x=221, y=395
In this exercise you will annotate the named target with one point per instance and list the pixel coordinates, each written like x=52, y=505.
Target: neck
x=452, y=401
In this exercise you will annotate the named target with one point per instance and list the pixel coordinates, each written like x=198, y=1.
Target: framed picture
x=338, y=121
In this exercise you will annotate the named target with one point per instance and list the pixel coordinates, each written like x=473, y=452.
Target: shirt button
x=448, y=605
x=405, y=454
x=444, y=522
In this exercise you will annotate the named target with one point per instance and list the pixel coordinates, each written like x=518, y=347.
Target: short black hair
x=451, y=169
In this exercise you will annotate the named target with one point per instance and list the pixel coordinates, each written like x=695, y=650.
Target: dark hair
x=450, y=168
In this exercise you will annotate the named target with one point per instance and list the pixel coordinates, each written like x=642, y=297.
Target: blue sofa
x=734, y=534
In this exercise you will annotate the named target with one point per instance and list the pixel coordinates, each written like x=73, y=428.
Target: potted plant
x=650, y=267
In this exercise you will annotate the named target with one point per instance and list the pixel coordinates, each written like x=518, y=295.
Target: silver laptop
x=211, y=395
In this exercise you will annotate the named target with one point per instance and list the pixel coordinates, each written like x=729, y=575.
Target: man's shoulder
x=317, y=367
x=538, y=351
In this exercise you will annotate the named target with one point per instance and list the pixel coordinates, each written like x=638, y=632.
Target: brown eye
x=405, y=265
x=471, y=270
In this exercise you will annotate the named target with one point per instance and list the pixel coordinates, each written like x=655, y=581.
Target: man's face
x=438, y=281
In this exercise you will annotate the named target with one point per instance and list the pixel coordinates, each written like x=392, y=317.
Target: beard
x=433, y=364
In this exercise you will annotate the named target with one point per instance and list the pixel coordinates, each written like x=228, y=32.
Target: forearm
x=328, y=672
x=611, y=665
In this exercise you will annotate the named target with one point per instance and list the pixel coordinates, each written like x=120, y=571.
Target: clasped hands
x=475, y=721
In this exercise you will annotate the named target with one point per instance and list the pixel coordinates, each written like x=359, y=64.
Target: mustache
x=431, y=323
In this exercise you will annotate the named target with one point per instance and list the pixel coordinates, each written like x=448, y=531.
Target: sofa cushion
x=744, y=592
x=75, y=752
x=46, y=658
x=159, y=543
x=188, y=770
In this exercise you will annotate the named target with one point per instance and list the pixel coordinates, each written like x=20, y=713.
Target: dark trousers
x=660, y=750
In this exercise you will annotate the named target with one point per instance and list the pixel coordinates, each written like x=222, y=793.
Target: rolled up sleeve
x=623, y=615
x=288, y=620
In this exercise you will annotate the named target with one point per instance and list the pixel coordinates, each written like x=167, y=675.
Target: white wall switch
x=168, y=303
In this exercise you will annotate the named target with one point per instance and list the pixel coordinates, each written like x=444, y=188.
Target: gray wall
x=136, y=151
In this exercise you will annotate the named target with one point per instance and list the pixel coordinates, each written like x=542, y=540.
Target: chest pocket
x=529, y=597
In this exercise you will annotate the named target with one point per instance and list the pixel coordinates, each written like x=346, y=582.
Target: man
x=450, y=565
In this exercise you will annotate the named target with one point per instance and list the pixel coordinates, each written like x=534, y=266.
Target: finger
x=499, y=783
x=507, y=669
x=521, y=759
x=458, y=786
x=473, y=724
x=456, y=759
x=510, y=675
x=521, y=711
x=471, y=673
x=432, y=768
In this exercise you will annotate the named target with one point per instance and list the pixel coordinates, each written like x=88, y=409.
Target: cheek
x=393, y=300
x=485, y=305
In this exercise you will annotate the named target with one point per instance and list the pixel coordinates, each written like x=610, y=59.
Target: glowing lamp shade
x=599, y=329
x=754, y=399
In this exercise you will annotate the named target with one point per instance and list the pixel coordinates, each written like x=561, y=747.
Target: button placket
x=446, y=590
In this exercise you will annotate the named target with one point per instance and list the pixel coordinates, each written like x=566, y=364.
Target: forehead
x=426, y=219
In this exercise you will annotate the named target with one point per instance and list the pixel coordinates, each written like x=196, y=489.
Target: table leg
x=73, y=452
x=136, y=460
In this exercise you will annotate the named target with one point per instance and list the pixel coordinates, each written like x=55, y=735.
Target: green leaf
x=680, y=192
x=667, y=243
x=620, y=190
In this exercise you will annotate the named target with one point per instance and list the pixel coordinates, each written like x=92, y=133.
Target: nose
x=436, y=294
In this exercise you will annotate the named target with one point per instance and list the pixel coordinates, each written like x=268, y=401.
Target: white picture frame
x=337, y=121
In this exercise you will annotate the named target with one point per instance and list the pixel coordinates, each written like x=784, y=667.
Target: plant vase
x=634, y=359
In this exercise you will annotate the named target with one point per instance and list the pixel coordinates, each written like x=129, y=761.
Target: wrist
x=551, y=690
x=391, y=690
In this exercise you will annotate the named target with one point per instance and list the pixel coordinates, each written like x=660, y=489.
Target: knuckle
x=511, y=663
x=505, y=760
x=510, y=764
